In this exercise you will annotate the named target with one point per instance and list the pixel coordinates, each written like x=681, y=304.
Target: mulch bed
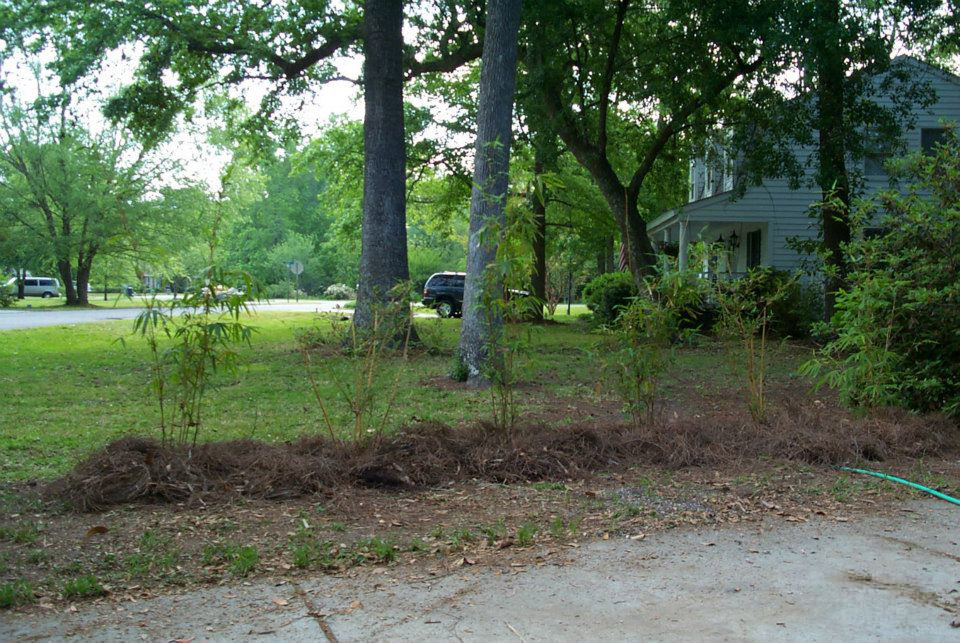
x=429, y=455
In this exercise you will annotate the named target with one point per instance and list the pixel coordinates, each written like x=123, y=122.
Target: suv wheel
x=444, y=309
x=47, y=295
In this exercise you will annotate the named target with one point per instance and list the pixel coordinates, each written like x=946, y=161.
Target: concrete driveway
x=19, y=319
x=886, y=577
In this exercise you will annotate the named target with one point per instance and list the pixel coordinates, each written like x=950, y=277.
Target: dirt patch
x=431, y=455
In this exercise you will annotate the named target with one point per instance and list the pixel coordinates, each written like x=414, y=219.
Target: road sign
x=296, y=267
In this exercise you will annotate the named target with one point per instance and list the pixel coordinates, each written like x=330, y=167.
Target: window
x=930, y=137
x=753, y=249
x=876, y=152
x=29, y=282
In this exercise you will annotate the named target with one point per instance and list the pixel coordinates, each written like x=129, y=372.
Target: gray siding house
x=760, y=222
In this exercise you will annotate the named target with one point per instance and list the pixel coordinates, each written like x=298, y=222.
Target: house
x=756, y=226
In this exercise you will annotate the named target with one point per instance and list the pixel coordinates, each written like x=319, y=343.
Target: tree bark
x=539, y=277
x=383, y=253
x=66, y=278
x=482, y=323
x=833, y=178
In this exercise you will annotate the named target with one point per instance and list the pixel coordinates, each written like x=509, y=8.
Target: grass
x=86, y=586
x=19, y=592
x=78, y=387
x=239, y=560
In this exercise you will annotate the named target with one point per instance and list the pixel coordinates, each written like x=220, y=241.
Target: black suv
x=444, y=292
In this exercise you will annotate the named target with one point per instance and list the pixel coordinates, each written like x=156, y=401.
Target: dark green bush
x=793, y=312
x=896, y=327
x=608, y=294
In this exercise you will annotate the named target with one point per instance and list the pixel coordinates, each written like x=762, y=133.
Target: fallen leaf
x=282, y=602
x=95, y=531
x=355, y=605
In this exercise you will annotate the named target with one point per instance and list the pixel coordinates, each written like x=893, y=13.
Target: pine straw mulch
x=429, y=455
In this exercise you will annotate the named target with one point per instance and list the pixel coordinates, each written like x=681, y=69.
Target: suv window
x=46, y=282
x=29, y=282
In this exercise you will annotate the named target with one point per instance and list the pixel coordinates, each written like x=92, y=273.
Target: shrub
x=896, y=340
x=339, y=291
x=608, y=294
x=7, y=298
x=792, y=307
x=280, y=291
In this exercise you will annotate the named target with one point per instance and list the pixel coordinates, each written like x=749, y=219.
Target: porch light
x=733, y=242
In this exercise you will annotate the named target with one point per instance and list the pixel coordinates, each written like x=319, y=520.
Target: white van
x=41, y=287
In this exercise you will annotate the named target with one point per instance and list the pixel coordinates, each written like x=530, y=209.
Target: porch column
x=682, y=243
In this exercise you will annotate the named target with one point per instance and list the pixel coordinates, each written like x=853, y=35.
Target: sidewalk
x=882, y=578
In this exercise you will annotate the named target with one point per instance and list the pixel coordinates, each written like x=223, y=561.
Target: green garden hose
x=932, y=492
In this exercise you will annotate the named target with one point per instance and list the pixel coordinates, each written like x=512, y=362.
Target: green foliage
x=239, y=560
x=746, y=307
x=86, y=586
x=18, y=592
x=896, y=339
x=205, y=328
x=23, y=535
x=792, y=307
x=608, y=294
x=7, y=296
x=639, y=349
x=526, y=533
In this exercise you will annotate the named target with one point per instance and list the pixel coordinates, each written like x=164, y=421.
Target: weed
x=381, y=551
x=301, y=556
x=494, y=532
x=245, y=561
x=23, y=535
x=561, y=530
x=338, y=527
x=37, y=556
x=842, y=488
x=526, y=534
x=83, y=587
x=437, y=532
x=461, y=536
x=19, y=592
x=549, y=486
x=417, y=545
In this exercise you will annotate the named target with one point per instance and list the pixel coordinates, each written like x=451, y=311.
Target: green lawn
x=70, y=389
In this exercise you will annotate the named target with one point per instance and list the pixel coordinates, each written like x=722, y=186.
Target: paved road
x=890, y=578
x=19, y=319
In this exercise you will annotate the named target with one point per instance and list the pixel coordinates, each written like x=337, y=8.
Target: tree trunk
x=609, y=262
x=66, y=278
x=21, y=275
x=833, y=178
x=83, y=279
x=383, y=253
x=482, y=321
x=539, y=276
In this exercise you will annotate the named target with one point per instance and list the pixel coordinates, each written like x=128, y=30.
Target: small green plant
x=842, y=488
x=459, y=372
x=461, y=537
x=7, y=298
x=549, y=486
x=205, y=328
x=86, y=586
x=26, y=534
x=244, y=561
x=37, y=556
x=562, y=530
x=746, y=307
x=494, y=532
x=338, y=526
x=379, y=550
x=417, y=545
x=363, y=384
x=639, y=349
x=525, y=534
x=19, y=592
